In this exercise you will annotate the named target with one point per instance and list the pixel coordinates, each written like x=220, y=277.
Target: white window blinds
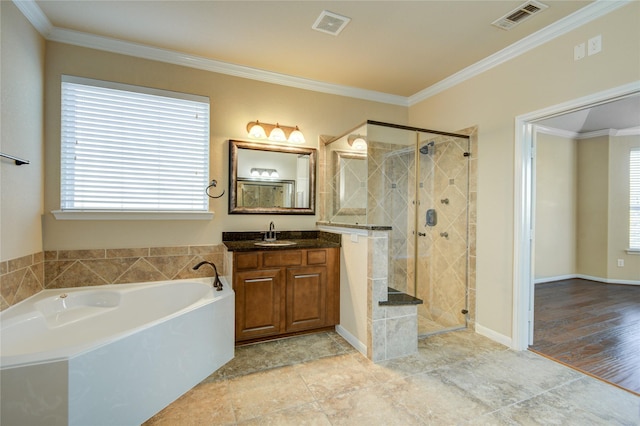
x=128, y=148
x=634, y=199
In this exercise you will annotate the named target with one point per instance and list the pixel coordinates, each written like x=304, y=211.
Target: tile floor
x=457, y=378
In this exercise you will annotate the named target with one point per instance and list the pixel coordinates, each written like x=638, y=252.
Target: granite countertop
x=245, y=241
x=355, y=226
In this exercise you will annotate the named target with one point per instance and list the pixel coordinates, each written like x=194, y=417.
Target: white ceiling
x=620, y=114
x=395, y=48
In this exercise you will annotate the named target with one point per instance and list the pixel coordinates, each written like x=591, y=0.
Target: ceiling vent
x=330, y=23
x=519, y=15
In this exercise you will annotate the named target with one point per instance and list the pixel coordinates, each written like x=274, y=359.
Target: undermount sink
x=275, y=243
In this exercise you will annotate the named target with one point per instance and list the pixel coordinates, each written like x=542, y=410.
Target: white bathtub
x=114, y=354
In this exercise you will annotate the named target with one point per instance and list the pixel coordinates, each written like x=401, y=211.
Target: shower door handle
x=422, y=234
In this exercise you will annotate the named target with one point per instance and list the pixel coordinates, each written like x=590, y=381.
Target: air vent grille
x=330, y=23
x=519, y=14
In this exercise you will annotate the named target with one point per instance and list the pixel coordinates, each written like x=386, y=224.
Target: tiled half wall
x=25, y=276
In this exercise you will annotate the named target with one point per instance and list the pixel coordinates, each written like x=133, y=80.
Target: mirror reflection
x=271, y=179
x=351, y=183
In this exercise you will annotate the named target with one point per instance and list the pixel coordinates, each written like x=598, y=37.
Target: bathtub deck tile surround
x=21, y=278
x=454, y=378
x=25, y=276
x=76, y=268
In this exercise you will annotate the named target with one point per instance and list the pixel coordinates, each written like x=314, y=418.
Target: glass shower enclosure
x=415, y=181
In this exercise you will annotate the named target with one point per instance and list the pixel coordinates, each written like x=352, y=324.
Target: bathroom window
x=132, y=149
x=634, y=200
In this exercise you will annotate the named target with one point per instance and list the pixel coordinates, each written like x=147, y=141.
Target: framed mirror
x=350, y=195
x=271, y=179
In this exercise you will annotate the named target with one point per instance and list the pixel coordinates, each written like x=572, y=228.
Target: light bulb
x=257, y=131
x=360, y=144
x=265, y=173
x=255, y=173
x=274, y=174
x=296, y=136
x=277, y=134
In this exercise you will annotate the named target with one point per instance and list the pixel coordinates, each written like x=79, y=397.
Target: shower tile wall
x=354, y=181
x=23, y=277
x=391, y=185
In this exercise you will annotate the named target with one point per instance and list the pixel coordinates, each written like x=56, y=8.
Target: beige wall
x=618, y=230
x=593, y=199
x=555, y=216
x=21, y=121
x=545, y=76
x=353, y=287
x=234, y=102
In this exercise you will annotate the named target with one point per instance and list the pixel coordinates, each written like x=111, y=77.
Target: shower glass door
x=442, y=232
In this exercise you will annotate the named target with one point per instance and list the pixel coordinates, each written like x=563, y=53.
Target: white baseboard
x=353, y=341
x=585, y=277
x=608, y=281
x=556, y=278
x=494, y=335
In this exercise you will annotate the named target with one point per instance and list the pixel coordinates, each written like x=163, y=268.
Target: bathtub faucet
x=216, y=282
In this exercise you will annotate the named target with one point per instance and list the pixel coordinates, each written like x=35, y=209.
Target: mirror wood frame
x=235, y=146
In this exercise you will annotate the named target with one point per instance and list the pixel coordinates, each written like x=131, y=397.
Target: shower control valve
x=444, y=234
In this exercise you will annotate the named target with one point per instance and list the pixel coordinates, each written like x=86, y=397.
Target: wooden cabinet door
x=258, y=303
x=306, y=298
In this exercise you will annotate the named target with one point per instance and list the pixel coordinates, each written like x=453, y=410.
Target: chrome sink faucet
x=270, y=235
x=216, y=281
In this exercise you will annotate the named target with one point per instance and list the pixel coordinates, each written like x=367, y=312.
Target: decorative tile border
x=25, y=276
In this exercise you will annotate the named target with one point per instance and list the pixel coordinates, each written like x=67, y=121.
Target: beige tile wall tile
x=21, y=278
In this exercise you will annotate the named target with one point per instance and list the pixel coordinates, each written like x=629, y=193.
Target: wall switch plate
x=594, y=45
x=620, y=263
x=354, y=238
x=578, y=51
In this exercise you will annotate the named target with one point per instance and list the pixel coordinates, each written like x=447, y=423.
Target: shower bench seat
x=398, y=298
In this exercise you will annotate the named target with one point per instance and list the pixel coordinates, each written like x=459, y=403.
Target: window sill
x=141, y=215
x=633, y=251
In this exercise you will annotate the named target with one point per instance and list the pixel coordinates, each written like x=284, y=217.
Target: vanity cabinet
x=283, y=292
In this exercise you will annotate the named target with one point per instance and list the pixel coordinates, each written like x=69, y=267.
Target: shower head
x=428, y=148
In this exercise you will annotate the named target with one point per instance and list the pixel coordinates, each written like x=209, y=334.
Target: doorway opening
x=524, y=196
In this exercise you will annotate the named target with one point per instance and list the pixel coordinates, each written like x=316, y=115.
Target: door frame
x=524, y=205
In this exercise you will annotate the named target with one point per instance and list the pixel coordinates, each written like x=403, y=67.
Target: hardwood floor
x=591, y=326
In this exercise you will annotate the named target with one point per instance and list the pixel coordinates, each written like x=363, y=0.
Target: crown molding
x=633, y=131
x=38, y=19
x=587, y=14
x=35, y=15
x=169, y=56
x=556, y=132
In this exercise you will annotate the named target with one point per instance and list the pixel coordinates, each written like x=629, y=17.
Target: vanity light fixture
x=276, y=132
x=357, y=142
x=268, y=173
